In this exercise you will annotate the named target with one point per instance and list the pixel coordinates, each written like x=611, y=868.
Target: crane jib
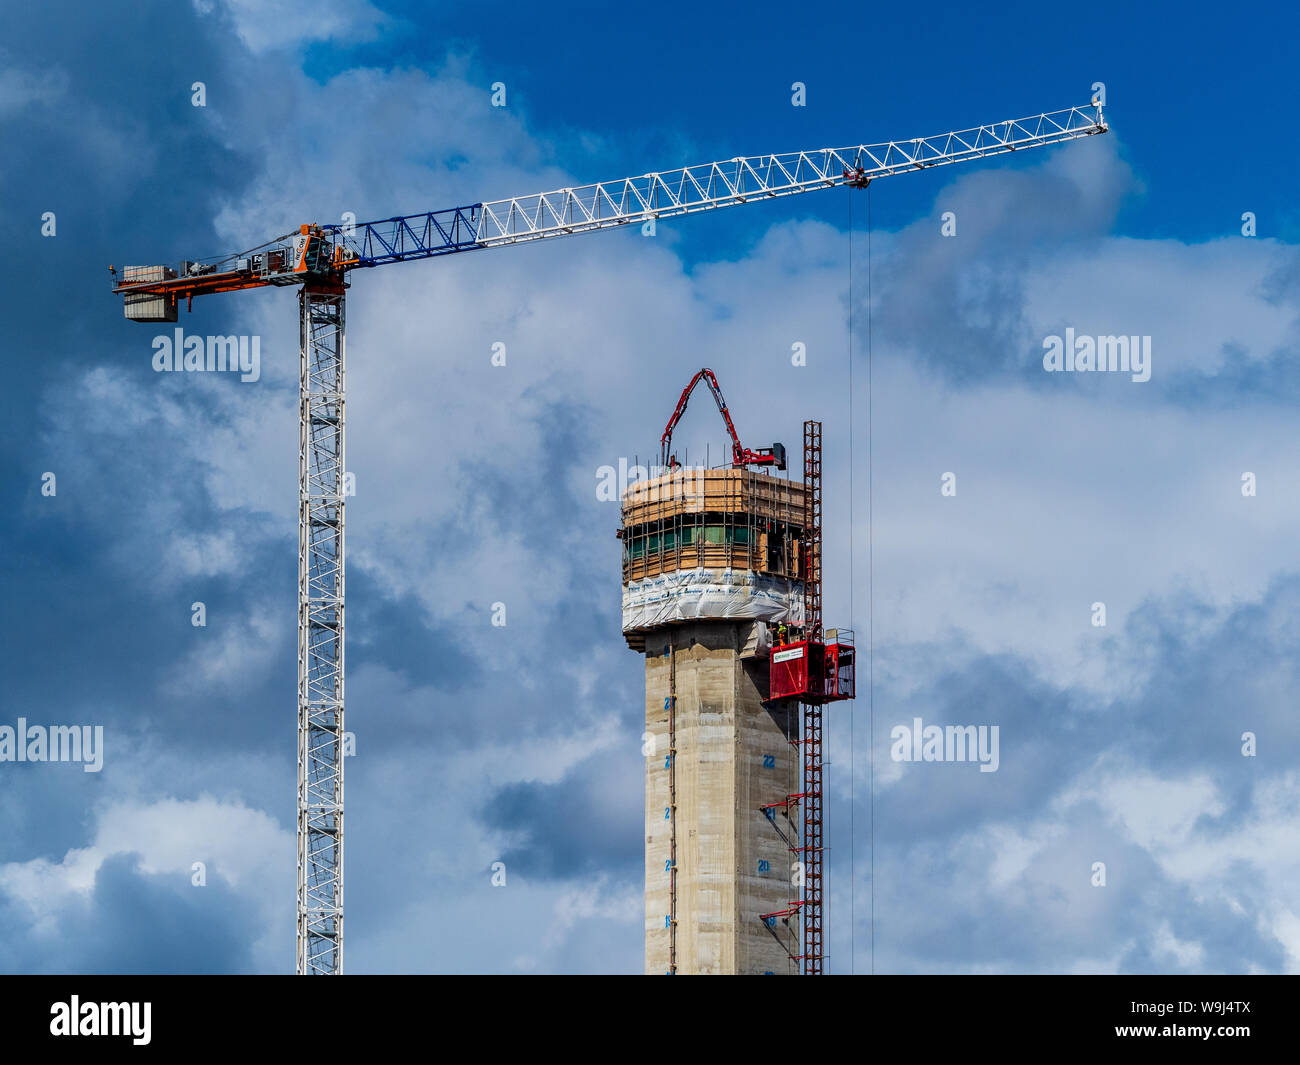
x=324, y=253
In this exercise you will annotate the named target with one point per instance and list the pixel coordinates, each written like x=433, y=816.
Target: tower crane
x=320, y=260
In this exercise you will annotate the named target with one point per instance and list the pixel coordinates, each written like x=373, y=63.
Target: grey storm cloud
x=133, y=922
x=957, y=302
x=587, y=822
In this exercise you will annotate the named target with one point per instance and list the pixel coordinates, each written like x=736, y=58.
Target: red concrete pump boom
x=740, y=456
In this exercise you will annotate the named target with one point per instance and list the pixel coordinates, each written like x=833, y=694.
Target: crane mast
x=319, y=258
x=321, y=490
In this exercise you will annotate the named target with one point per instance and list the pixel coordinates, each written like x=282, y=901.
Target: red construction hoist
x=815, y=670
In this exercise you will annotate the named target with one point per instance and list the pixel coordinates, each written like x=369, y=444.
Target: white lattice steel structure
x=746, y=178
x=321, y=462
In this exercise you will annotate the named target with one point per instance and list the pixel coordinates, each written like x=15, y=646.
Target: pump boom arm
x=740, y=456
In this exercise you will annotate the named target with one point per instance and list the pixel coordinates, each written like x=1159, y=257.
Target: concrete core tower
x=710, y=559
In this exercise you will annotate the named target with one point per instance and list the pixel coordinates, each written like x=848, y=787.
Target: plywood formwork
x=713, y=519
x=690, y=490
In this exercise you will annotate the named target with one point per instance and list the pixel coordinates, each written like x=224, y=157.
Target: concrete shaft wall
x=733, y=756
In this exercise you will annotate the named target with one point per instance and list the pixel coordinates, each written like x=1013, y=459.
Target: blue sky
x=476, y=484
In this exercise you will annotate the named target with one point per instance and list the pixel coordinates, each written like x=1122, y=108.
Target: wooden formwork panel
x=713, y=491
x=753, y=557
x=706, y=556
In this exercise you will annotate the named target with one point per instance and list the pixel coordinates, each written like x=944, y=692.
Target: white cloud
x=1184, y=954
x=268, y=25
x=21, y=89
x=242, y=847
x=231, y=653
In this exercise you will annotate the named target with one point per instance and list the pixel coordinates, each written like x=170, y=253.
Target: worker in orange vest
x=780, y=633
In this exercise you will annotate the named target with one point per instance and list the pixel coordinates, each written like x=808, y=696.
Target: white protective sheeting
x=703, y=594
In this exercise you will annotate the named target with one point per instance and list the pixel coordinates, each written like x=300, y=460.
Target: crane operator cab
x=312, y=253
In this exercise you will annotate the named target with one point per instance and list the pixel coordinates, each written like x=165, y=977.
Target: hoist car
x=814, y=671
